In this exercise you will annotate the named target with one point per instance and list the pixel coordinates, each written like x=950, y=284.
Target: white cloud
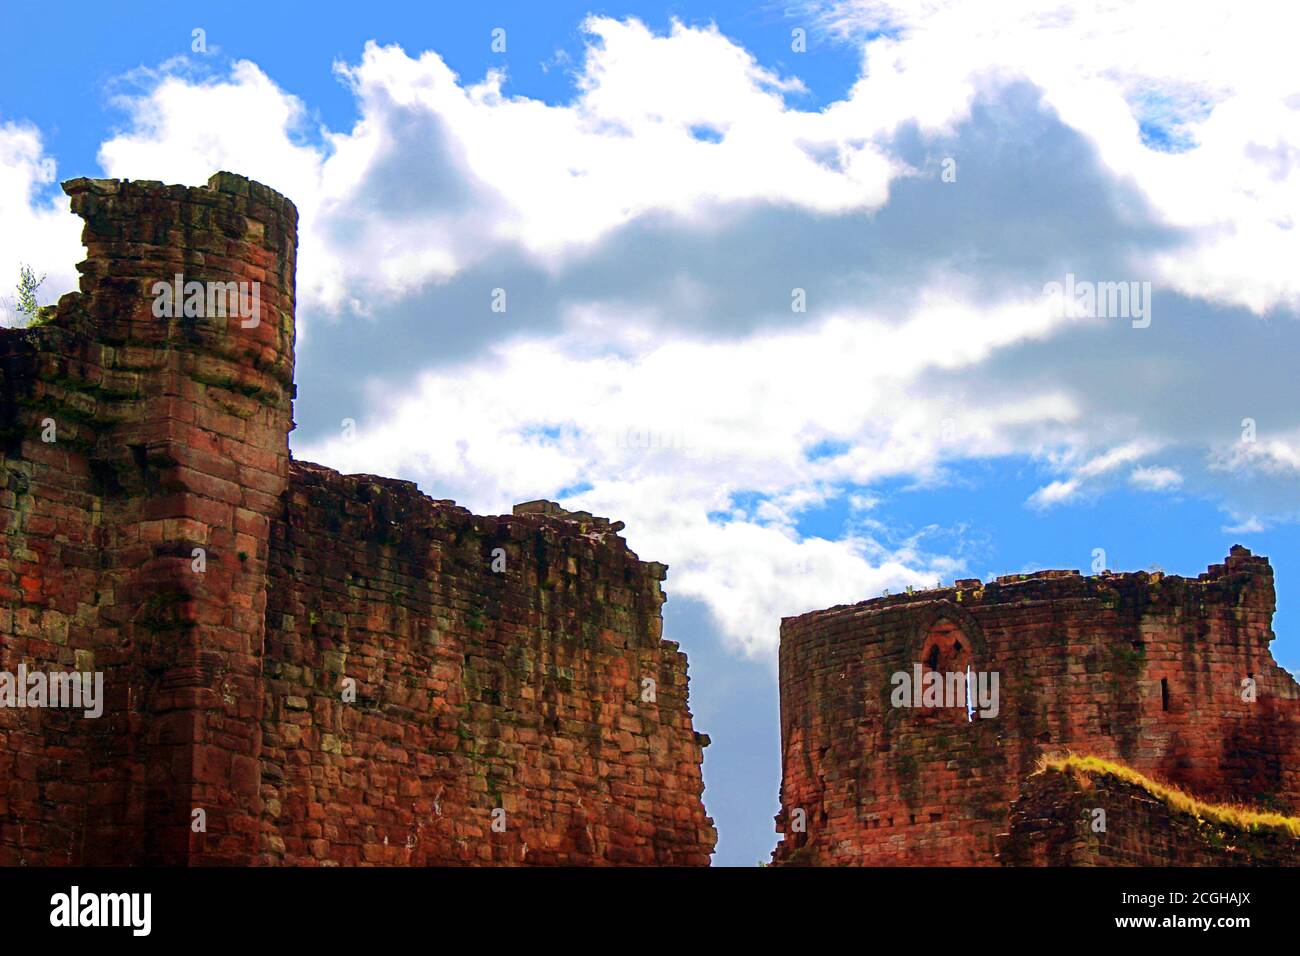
x=650, y=364
x=1278, y=455
x=1214, y=77
x=623, y=149
x=1062, y=491
x=1247, y=525
x=1155, y=478
x=1055, y=493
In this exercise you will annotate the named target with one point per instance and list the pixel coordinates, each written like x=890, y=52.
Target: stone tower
x=153, y=439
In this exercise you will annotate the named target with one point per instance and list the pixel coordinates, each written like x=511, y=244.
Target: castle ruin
x=299, y=667
x=1166, y=675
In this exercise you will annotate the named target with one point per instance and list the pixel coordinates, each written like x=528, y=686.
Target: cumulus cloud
x=724, y=313
x=1198, y=106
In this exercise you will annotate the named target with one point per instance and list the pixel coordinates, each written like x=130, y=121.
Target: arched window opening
x=946, y=652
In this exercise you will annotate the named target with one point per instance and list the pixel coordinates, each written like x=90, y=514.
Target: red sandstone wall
x=520, y=690
x=1052, y=825
x=1081, y=662
x=477, y=690
x=171, y=434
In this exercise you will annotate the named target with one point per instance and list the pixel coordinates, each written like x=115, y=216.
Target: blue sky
x=651, y=184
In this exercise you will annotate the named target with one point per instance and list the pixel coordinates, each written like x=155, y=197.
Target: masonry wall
x=541, y=690
x=134, y=445
x=1052, y=825
x=129, y=440
x=1141, y=668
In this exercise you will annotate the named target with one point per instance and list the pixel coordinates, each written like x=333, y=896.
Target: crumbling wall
x=153, y=530
x=1055, y=822
x=1146, y=669
x=507, y=670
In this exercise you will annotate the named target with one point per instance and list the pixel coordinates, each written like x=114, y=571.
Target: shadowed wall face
x=530, y=714
x=1057, y=821
x=156, y=534
x=1149, y=670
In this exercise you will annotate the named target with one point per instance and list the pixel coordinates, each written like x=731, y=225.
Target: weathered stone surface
x=1145, y=669
x=1053, y=824
x=519, y=690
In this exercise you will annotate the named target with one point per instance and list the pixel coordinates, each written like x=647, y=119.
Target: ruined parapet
x=507, y=670
x=584, y=519
x=153, y=530
x=1148, y=669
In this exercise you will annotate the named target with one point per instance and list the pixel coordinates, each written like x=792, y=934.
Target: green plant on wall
x=28, y=285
